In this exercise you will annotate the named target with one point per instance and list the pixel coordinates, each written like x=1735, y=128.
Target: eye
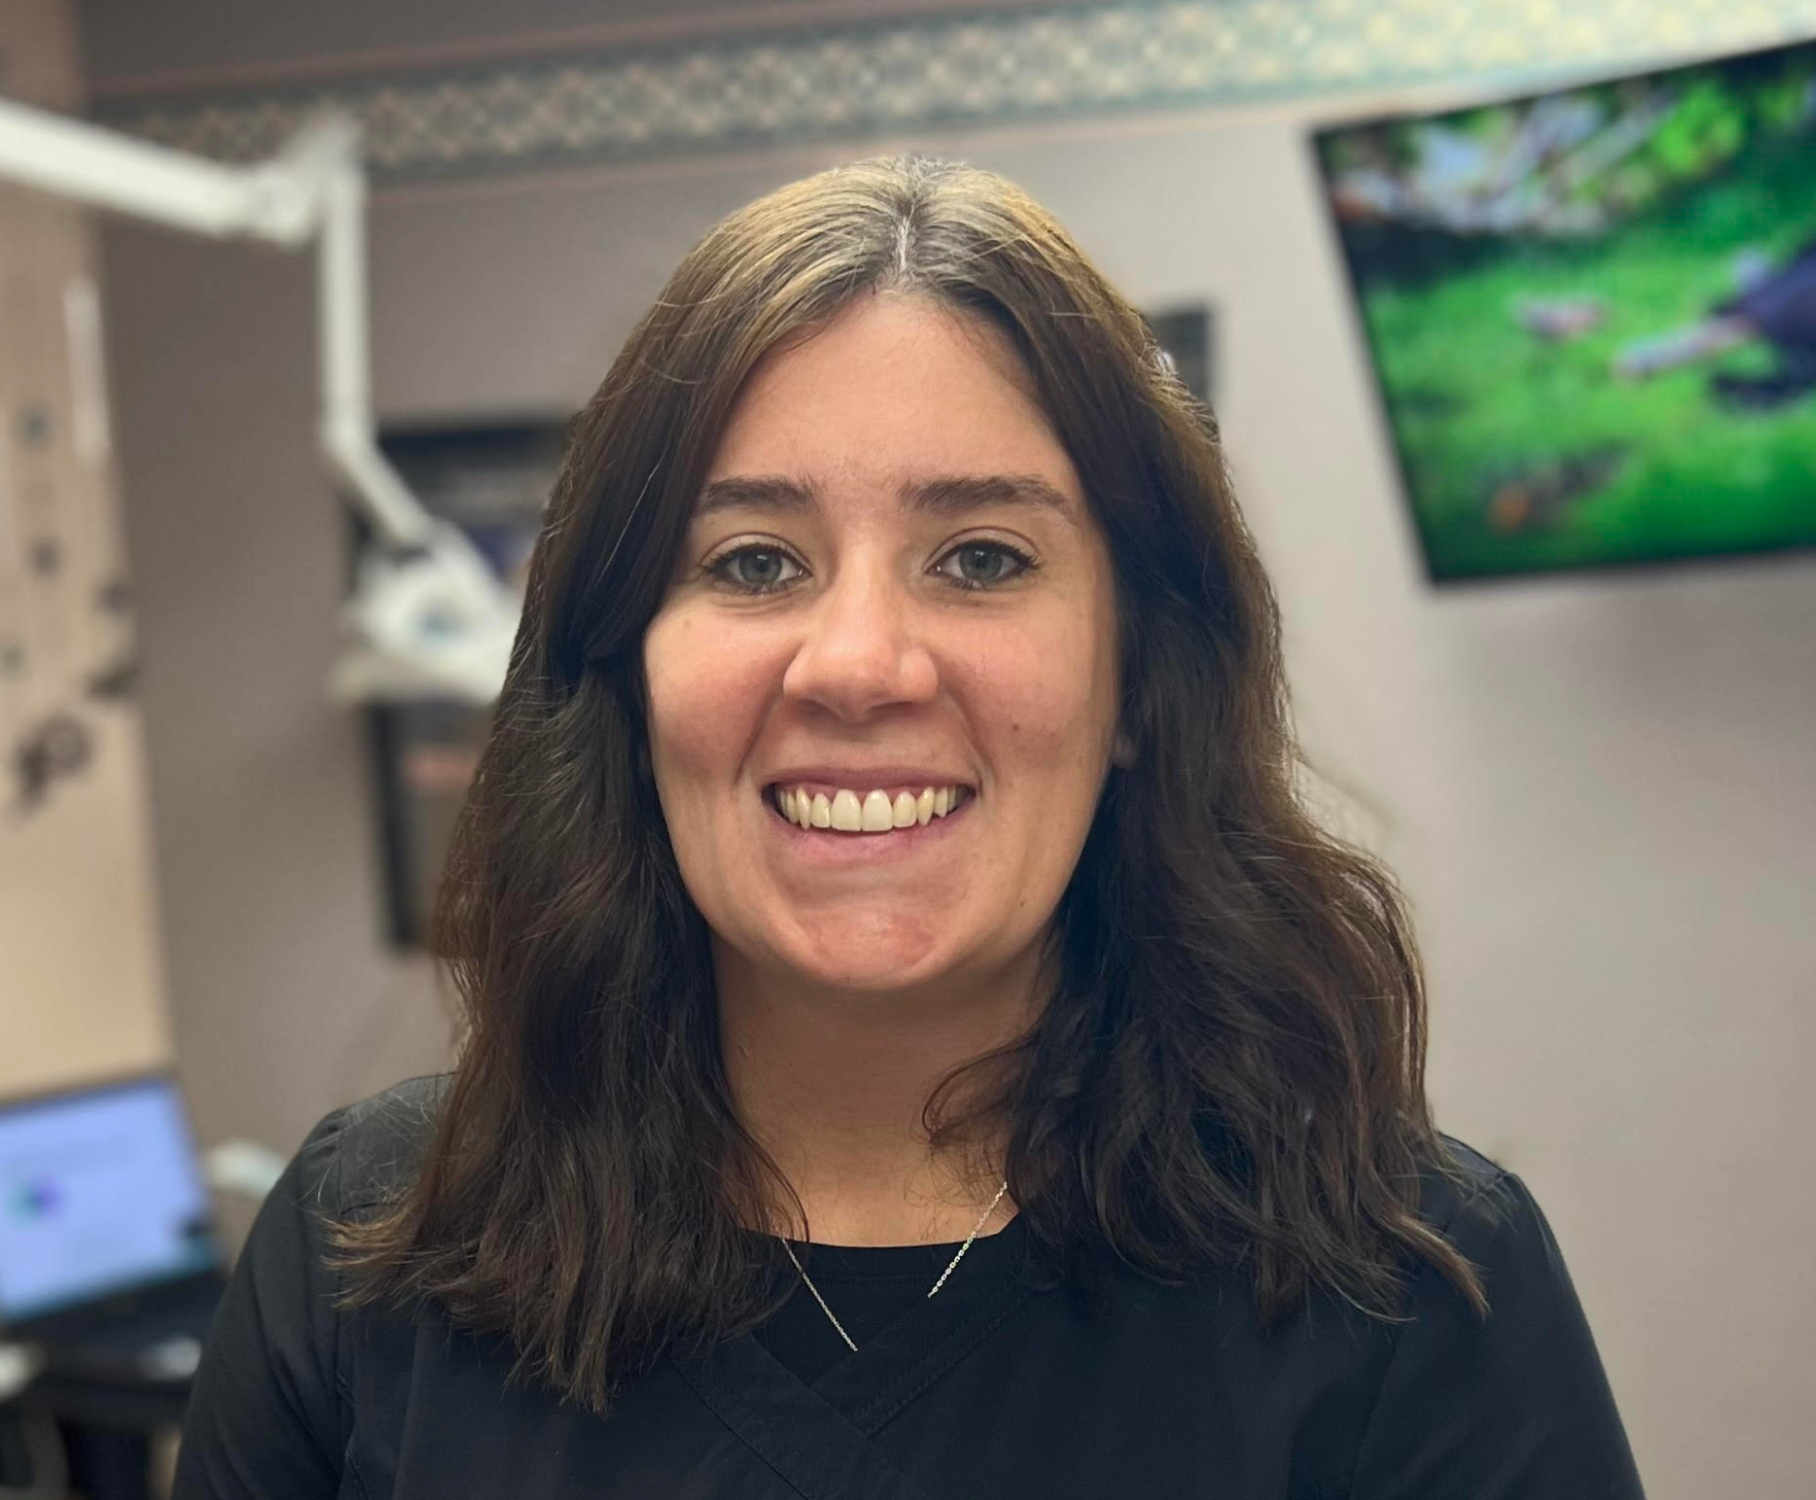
x=981, y=565
x=755, y=569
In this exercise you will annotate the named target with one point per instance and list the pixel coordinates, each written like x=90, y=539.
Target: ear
x=1122, y=751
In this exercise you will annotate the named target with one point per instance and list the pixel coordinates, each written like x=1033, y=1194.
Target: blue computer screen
x=99, y=1192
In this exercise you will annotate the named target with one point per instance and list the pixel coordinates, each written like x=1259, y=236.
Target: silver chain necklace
x=807, y=1280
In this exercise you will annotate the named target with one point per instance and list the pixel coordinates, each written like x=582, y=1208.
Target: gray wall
x=1598, y=790
x=284, y=998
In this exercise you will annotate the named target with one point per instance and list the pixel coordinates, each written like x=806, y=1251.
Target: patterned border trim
x=894, y=77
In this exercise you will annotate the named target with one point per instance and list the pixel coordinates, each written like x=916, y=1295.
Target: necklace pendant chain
x=951, y=1266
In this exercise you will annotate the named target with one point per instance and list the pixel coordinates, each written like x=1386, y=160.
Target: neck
x=834, y=1086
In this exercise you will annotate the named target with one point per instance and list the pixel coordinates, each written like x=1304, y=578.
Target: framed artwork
x=1186, y=335
x=492, y=480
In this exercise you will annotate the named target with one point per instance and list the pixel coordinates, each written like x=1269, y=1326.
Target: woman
x=918, y=1045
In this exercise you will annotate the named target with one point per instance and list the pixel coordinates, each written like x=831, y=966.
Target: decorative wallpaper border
x=898, y=76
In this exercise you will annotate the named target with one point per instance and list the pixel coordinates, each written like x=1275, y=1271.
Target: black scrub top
x=1002, y=1386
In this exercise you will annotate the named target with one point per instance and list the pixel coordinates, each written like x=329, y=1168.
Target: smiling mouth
x=845, y=811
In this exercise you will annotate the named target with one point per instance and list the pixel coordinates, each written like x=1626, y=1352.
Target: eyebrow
x=943, y=495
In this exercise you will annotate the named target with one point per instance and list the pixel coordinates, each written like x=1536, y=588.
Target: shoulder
x=1463, y=1193
x=1492, y=1218
x=1533, y=1322
x=1514, y=1402
x=365, y=1153
x=270, y=1410
x=1489, y=1215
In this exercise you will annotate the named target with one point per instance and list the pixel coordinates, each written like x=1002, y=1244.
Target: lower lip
x=826, y=846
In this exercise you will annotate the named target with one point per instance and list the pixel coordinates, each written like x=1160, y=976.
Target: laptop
x=108, y=1256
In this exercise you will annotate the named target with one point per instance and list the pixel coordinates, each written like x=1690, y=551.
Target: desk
x=108, y=1431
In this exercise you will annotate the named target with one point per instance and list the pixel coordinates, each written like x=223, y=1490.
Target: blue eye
x=981, y=565
x=756, y=570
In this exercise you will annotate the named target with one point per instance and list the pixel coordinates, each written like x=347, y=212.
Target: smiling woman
x=919, y=1045
x=934, y=610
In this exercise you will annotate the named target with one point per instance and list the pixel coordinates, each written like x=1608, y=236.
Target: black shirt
x=993, y=1388
x=866, y=1288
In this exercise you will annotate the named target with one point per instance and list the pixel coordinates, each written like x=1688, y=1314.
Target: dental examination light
x=428, y=617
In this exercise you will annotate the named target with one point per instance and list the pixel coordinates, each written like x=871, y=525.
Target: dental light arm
x=428, y=615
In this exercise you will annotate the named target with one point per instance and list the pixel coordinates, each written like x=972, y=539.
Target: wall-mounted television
x=1592, y=314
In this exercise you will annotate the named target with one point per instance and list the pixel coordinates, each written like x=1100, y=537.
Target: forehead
x=893, y=392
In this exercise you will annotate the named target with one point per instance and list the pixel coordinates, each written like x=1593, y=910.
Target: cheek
x=703, y=702
x=1048, y=697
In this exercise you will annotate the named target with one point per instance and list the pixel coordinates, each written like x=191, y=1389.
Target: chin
x=870, y=952
x=871, y=978
x=879, y=969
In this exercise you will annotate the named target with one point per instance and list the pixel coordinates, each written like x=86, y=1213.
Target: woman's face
x=893, y=603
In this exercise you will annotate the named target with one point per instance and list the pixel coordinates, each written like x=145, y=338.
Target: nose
x=861, y=649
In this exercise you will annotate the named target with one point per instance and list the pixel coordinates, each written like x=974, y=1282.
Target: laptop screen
x=100, y=1192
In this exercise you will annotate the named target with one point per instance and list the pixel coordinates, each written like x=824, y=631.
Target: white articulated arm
x=430, y=617
x=104, y=169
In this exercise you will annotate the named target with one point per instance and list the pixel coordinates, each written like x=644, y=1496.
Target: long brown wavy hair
x=1230, y=1069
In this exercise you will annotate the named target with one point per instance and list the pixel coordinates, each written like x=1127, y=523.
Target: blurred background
x=1507, y=310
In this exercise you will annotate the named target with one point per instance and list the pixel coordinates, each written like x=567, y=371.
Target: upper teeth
x=874, y=812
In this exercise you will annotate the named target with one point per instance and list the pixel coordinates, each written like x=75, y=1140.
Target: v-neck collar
x=911, y=1351
x=817, y=1437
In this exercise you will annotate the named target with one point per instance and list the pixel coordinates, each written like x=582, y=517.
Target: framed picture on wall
x=493, y=481
x=1186, y=334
